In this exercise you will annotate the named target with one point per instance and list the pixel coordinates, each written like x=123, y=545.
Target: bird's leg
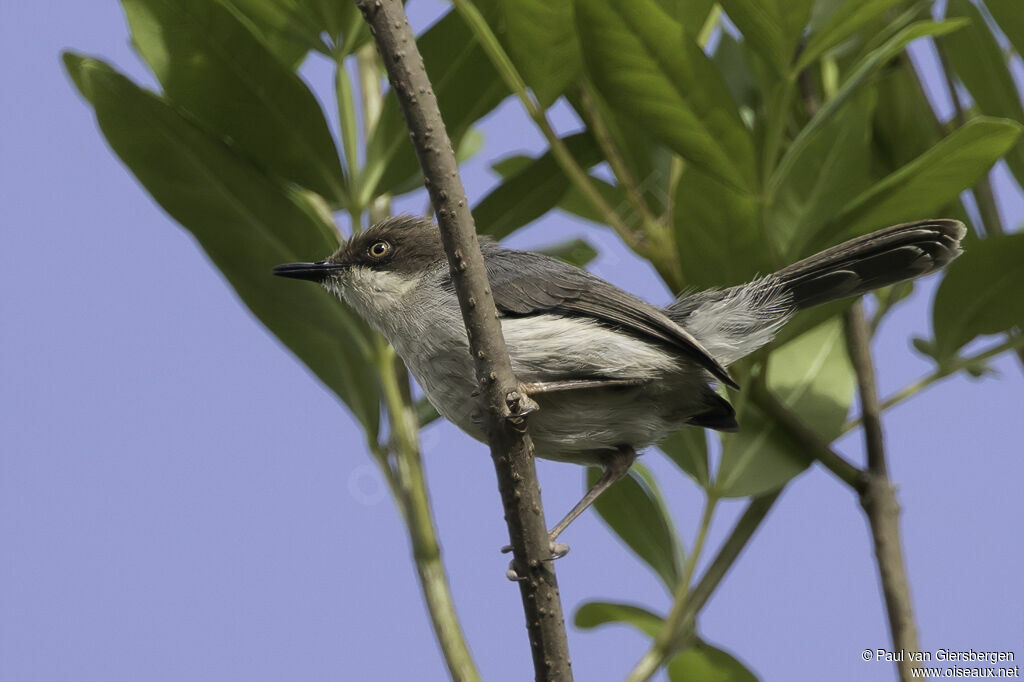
x=541, y=387
x=615, y=467
x=520, y=403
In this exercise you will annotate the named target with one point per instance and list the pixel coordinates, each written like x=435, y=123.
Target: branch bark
x=877, y=494
x=878, y=497
x=502, y=405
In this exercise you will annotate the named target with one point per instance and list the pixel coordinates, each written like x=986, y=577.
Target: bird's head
x=377, y=268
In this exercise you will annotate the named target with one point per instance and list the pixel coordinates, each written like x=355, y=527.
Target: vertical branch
x=503, y=407
x=404, y=470
x=878, y=497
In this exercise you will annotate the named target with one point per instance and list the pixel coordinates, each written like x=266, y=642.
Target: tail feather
x=875, y=260
x=732, y=323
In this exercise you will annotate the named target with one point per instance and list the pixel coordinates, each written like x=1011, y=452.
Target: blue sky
x=181, y=500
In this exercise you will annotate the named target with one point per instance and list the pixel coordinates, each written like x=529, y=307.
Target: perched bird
x=610, y=372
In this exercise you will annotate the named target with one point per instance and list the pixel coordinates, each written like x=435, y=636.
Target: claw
x=520, y=403
x=512, y=575
x=558, y=550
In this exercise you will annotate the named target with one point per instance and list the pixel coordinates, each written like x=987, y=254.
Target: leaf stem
x=1013, y=343
x=576, y=174
x=675, y=624
x=614, y=158
x=685, y=612
x=347, y=121
x=810, y=442
x=656, y=237
x=403, y=468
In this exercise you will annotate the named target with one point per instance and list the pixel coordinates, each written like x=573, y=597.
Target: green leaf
x=425, y=412
x=811, y=375
x=633, y=508
x=593, y=614
x=305, y=22
x=692, y=14
x=532, y=190
x=335, y=18
x=773, y=27
x=647, y=68
x=707, y=663
x=542, y=41
x=904, y=124
x=576, y=252
x=848, y=19
x=979, y=63
x=831, y=169
x=865, y=68
x=647, y=163
x=575, y=203
x=688, y=448
x=719, y=237
x=980, y=294
x=453, y=59
x=929, y=182
x=1010, y=19
x=278, y=24
x=244, y=220
x=732, y=61
x=211, y=65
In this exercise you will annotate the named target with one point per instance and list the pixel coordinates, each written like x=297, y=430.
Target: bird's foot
x=520, y=403
x=558, y=550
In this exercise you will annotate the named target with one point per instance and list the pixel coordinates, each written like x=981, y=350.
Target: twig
x=655, y=236
x=664, y=259
x=511, y=448
x=744, y=529
x=811, y=444
x=878, y=497
x=1014, y=343
x=680, y=618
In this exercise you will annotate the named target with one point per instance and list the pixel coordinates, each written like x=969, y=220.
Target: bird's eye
x=379, y=249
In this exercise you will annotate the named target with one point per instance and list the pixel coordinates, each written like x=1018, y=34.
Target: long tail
x=734, y=322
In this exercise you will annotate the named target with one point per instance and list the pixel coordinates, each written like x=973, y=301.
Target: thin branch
x=811, y=444
x=684, y=632
x=408, y=484
x=1013, y=343
x=878, y=497
x=652, y=248
x=655, y=236
x=679, y=619
x=611, y=152
x=502, y=405
x=347, y=118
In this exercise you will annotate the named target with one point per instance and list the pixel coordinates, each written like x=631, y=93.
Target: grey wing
x=525, y=283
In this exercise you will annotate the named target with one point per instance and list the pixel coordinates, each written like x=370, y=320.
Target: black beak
x=314, y=272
